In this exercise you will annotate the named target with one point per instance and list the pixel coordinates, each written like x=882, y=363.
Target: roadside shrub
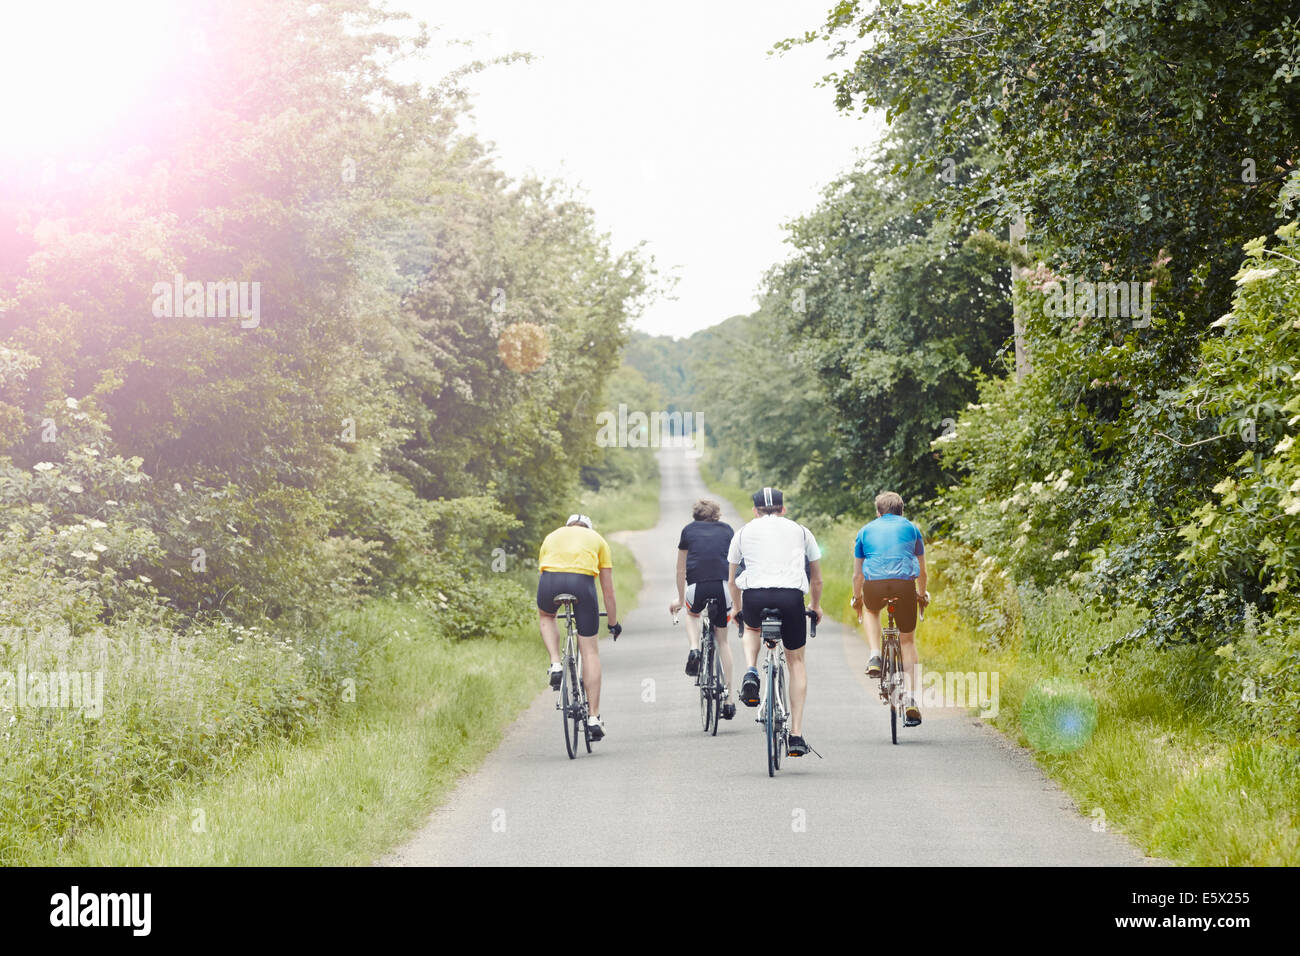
x=1244, y=544
x=489, y=606
x=978, y=589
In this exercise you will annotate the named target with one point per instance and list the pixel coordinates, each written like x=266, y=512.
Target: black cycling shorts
x=699, y=593
x=581, y=586
x=903, y=590
x=789, y=601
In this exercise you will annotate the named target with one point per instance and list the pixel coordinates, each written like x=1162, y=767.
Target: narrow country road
x=658, y=791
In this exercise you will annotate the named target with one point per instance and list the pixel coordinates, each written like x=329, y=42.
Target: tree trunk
x=1017, y=238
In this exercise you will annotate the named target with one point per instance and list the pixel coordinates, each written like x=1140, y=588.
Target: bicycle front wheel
x=715, y=692
x=583, y=709
x=773, y=761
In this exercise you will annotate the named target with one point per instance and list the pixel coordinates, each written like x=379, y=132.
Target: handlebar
x=812, y=620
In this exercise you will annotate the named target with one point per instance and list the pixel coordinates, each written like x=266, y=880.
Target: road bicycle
x=774, y=706
x=572, y=705
x=891, y=671
x=709, y=677
x=892, y=674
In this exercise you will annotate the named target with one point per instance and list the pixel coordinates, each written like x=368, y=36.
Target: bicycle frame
x=889, y=642
x=708, y=646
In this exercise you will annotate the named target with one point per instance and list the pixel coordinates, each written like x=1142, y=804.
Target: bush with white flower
x=1249, y=532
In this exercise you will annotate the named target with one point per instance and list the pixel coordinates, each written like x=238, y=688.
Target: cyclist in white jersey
x=782, y=564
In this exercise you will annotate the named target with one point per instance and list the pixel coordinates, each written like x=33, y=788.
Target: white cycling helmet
x=581, y=519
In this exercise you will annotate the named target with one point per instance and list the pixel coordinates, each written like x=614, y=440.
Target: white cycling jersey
x=775, y=551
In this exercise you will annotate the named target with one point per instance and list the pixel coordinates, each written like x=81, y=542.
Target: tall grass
x=432, y=708
x=423, y=704
x=163, y=707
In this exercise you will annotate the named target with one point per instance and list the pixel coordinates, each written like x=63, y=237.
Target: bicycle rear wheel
x=568, y=707
x=894, y=667
x=779, y=737
x=705, y=676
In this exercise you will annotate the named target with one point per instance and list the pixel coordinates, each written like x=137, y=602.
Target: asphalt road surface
x=657, y=790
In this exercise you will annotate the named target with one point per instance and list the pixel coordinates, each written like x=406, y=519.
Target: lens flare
x=69, y=68
x=1058, y=716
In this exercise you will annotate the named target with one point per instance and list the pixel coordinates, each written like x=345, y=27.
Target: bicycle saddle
x=561, y=598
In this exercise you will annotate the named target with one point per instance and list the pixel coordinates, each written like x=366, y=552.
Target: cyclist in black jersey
x=702, y=574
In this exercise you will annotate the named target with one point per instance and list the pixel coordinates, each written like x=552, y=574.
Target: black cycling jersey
x=706, y=544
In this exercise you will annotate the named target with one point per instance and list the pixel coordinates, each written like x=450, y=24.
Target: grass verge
x=432, y=710
x=632, y=507
x=1148, y=742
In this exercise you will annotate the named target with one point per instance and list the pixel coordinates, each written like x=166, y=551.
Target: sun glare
x=69, y=68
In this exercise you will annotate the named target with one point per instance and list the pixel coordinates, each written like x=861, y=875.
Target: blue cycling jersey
x=889, y=547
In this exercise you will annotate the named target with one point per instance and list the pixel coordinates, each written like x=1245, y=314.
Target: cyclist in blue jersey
x=889, y=563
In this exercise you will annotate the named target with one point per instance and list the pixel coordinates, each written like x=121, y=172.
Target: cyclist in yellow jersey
x=570, y=561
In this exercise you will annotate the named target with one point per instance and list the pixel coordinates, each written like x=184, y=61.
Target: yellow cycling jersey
x=575, y=549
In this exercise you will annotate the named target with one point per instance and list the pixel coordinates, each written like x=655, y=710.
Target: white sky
x=673, y=120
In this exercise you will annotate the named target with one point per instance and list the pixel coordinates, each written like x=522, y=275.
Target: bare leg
x=724, y=656
x=693, y=630
x=872, y=622
x=550, y=635
x=798, y=689
x=908, y=643
x=752, y=640
x=590, y=672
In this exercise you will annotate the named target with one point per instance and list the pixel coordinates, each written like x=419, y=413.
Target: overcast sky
x=673, y=120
